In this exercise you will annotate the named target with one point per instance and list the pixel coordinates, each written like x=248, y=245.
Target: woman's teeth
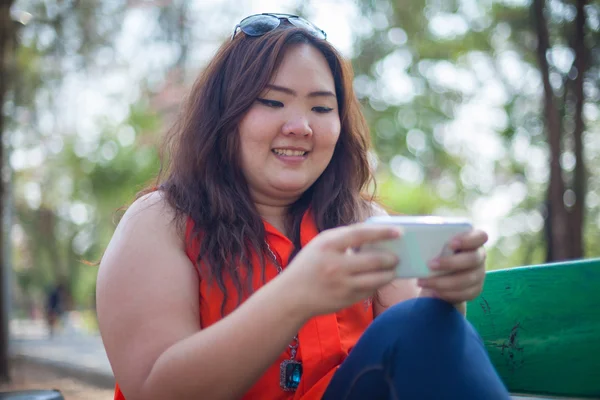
x=282, y=152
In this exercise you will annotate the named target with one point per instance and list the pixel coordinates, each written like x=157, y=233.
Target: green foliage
x=408, y=199
x=419, y=67
x=65, y=201
x=453, y=56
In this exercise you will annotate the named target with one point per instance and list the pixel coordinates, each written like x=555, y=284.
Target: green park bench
x=541, y=327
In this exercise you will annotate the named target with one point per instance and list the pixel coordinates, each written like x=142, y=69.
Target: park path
x=72, y=351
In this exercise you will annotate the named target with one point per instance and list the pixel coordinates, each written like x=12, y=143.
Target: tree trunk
x=580, y=178
x=6, y=49
x=559, y=241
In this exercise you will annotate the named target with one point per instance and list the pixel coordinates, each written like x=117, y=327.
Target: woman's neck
x=275, y=215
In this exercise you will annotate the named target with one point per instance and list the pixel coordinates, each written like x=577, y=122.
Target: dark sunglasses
x=259, y=24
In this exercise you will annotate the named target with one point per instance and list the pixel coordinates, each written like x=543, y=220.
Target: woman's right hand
x=326, y=276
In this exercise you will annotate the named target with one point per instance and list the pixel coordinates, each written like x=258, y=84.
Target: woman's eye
x=322, y=110
x=270, y=103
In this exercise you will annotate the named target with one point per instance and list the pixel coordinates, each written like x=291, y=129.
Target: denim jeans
x=418, y=349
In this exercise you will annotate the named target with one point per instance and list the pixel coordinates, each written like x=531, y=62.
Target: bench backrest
x=541, y=327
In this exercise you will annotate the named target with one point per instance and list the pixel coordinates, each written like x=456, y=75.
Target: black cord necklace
x=291, y=369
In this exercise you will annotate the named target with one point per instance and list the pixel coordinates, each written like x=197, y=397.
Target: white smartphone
x=424, y=238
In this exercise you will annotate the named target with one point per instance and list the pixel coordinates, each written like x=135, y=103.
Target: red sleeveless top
x=325, y=341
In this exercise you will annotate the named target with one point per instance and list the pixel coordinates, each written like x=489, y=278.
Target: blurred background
x=480, y=108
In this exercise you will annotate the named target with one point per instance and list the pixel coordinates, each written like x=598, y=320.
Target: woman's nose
x=297, y=126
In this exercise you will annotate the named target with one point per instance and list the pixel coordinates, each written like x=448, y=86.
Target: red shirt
x=325, y=341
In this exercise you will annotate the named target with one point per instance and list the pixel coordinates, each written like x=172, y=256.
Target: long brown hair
x=202, y=178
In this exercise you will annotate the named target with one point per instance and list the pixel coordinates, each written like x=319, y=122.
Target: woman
x=233, y=278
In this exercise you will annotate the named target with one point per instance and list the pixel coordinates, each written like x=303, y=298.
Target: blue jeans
x=418, y=349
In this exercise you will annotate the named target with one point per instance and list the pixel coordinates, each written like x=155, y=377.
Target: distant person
x=55, y=307
x=231, y=278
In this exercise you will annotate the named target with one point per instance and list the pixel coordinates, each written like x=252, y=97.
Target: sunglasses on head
x=259, y=24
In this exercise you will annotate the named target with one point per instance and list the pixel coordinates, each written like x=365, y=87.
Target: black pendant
x=291, y=372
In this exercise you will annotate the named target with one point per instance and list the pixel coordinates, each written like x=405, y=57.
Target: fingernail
x=434, y=264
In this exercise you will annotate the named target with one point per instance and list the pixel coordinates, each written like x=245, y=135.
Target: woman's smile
x=290, y=155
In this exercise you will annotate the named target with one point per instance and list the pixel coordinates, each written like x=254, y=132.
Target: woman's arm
x=148, y=312
x=394, y=293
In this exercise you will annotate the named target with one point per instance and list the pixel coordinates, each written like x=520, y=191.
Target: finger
x=469, y=241
x=453, y=282
x=371, y=281
x=370, y=261
x=366, y=261
x=358, y=235
x=459, y=261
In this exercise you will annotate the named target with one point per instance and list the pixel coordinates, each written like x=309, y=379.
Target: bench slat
x=541, y=327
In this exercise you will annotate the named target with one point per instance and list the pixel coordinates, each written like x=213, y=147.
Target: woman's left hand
x=463, y=272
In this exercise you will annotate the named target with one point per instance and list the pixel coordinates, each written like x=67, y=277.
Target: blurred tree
x=71, y=173
x=61, y=40
x=431, y=66
x=7, y=33
x=397, y=67
x=564, y=222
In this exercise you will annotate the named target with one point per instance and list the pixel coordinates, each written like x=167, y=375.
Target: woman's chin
x=292, y=188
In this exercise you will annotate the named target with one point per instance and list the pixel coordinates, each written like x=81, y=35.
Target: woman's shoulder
x=151, y=213
x=154, y=201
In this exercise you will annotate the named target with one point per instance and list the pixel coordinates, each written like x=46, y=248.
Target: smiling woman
x=232, y=276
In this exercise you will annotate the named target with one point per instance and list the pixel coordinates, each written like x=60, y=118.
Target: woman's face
x=288, y=136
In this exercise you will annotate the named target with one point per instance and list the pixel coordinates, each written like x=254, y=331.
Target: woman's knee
x=420, y=311
x=427, y=339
